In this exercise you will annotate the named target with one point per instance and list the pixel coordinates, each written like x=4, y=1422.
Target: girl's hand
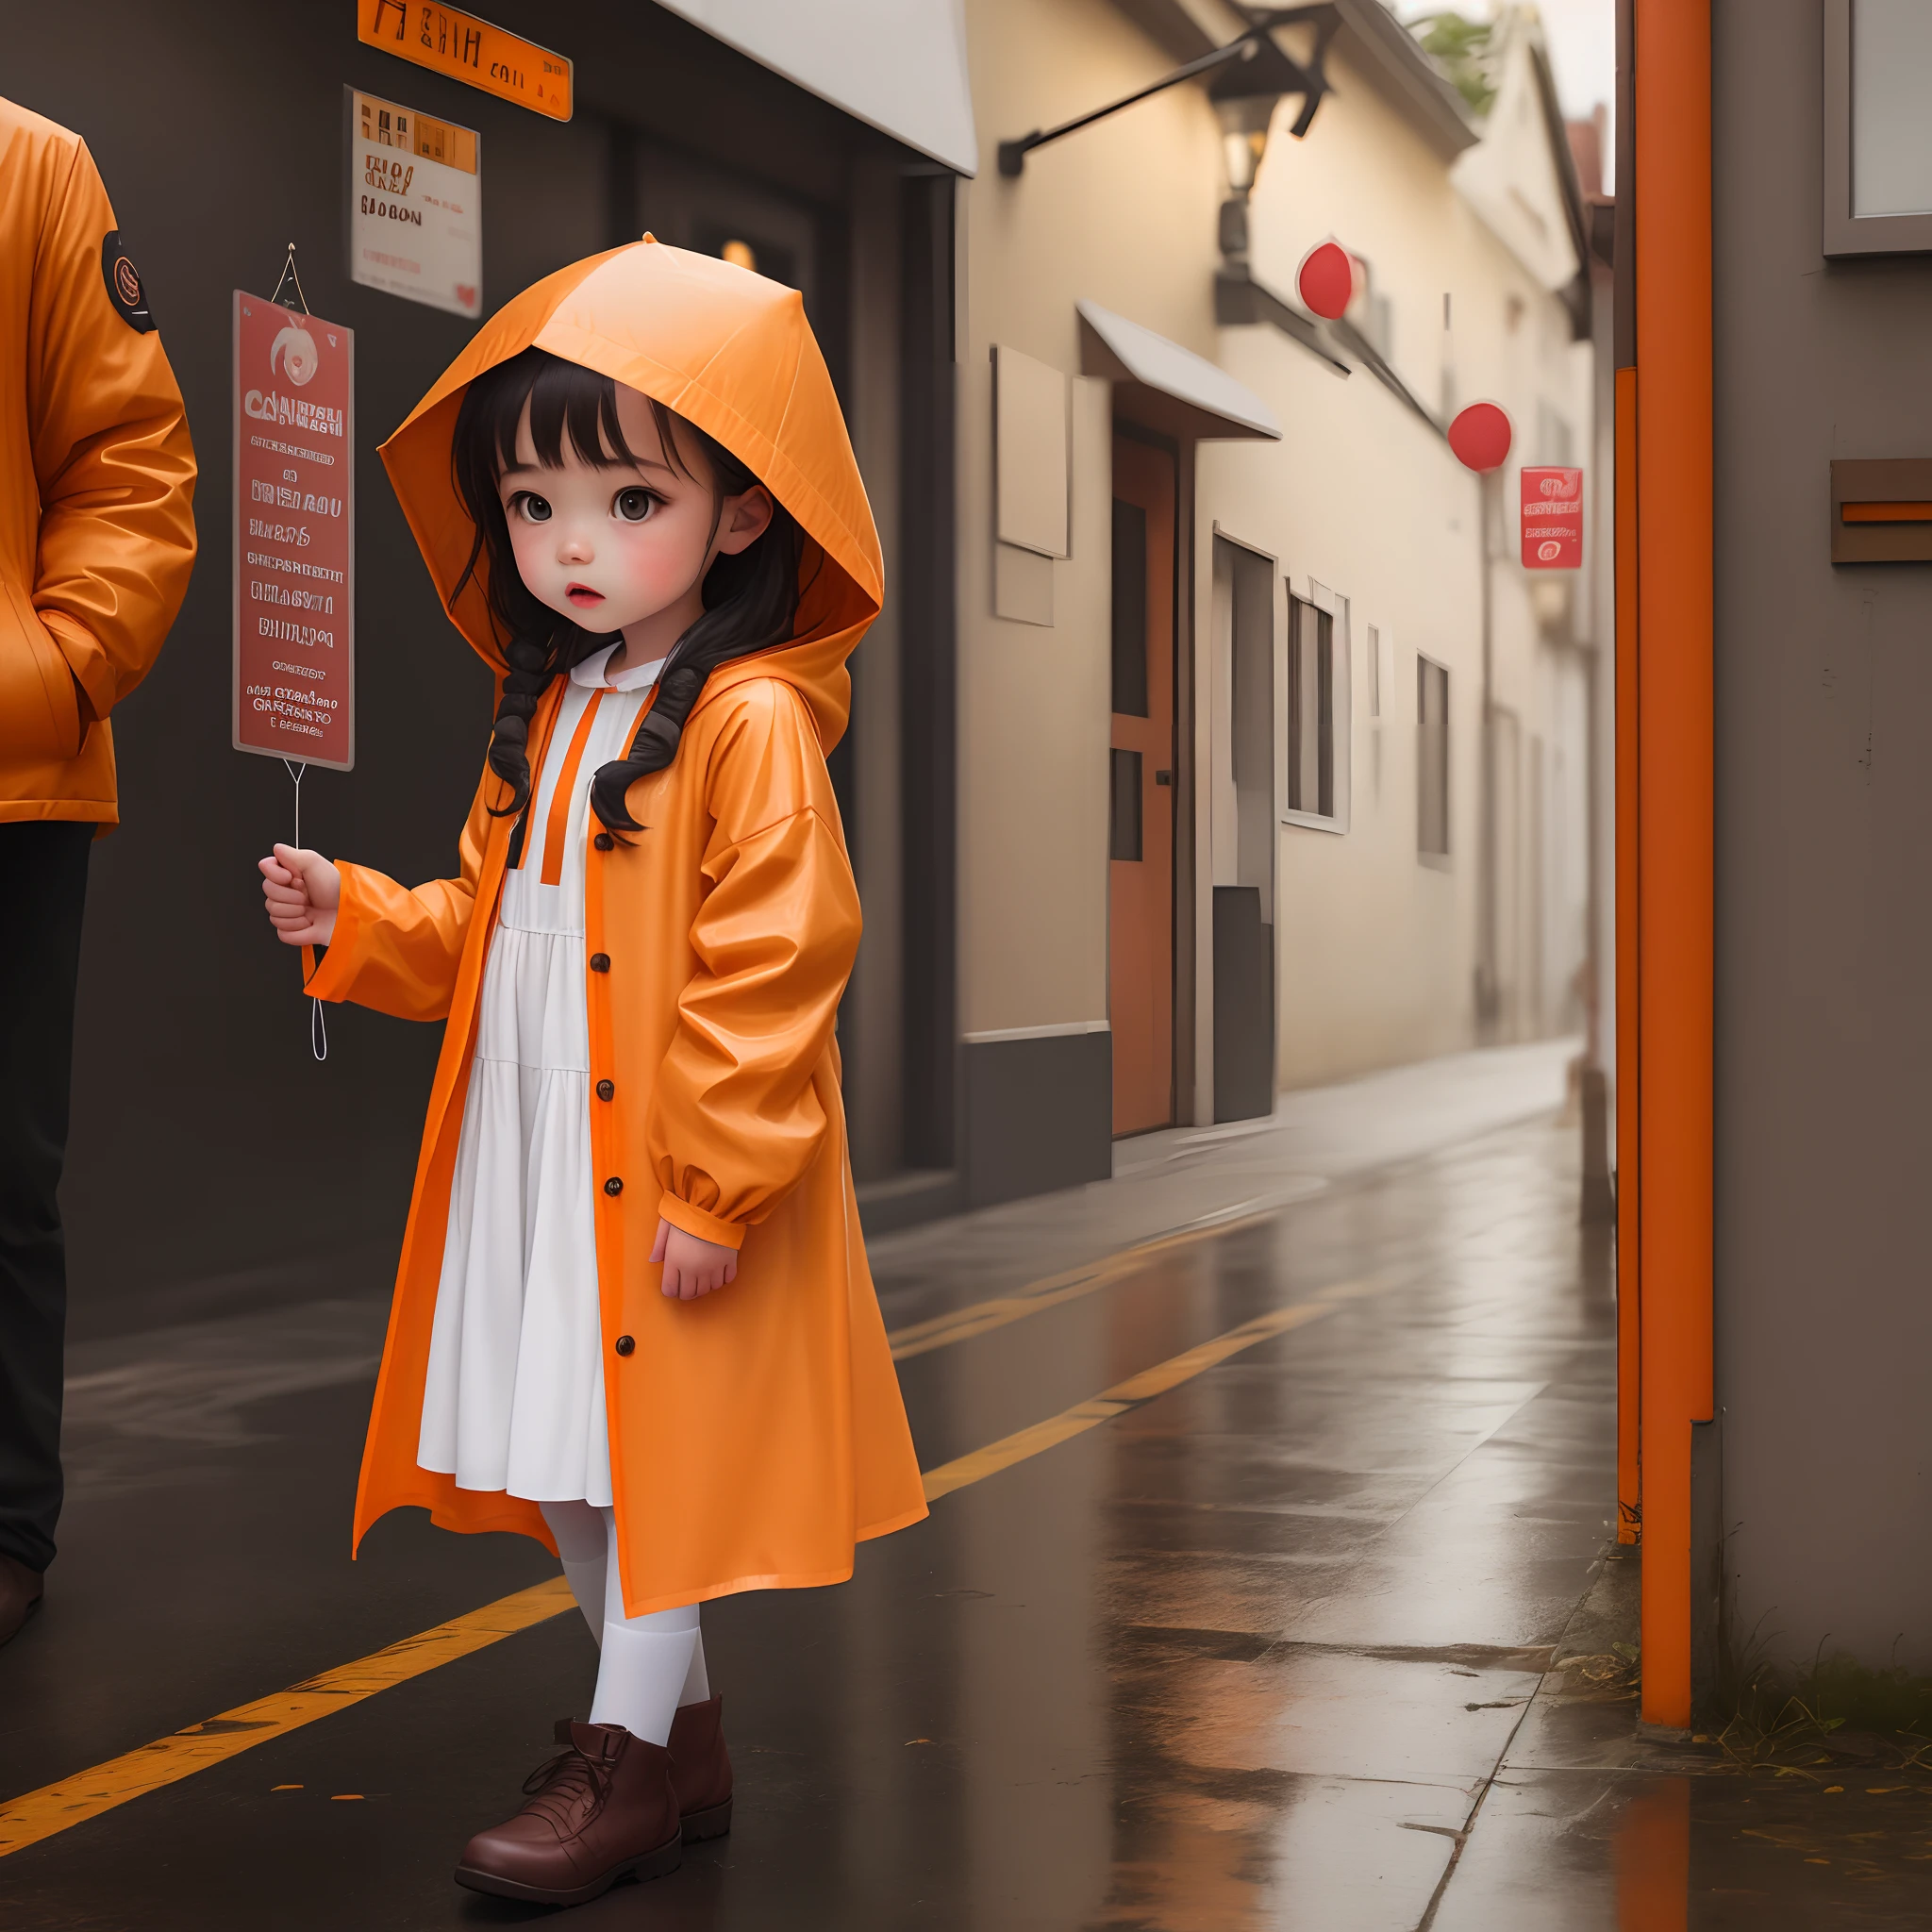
x=691, y=1267
x=303, y=891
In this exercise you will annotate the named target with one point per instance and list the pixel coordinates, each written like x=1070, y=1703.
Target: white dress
x=514, y=1395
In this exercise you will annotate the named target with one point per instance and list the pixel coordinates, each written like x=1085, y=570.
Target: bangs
x=566, y=400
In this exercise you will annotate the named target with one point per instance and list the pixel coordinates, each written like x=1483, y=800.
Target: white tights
x=650, y=1665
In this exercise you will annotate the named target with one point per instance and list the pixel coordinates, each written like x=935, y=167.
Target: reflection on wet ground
x=1323, y=1636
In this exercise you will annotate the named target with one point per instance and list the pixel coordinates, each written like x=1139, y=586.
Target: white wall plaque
x=415, y=205
x=1030, y=438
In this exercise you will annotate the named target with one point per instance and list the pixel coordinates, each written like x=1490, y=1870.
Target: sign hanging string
x=318, y=1027
x=291, y=272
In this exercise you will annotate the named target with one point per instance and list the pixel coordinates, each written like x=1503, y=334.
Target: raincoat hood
x=730, y=352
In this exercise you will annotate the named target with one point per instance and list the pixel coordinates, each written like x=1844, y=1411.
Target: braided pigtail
x=509, y=744
x=651, y=750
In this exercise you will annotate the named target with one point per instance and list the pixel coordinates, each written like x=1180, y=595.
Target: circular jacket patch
x=124, y=287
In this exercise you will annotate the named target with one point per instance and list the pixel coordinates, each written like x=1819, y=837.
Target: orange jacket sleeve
x=111, y=457
x=736, y=1115
x=398, y=950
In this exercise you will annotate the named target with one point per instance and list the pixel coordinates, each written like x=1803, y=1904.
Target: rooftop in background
x=1581, y=37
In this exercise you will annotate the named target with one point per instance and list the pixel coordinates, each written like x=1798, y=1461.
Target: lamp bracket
x=1308, y=80
x=1326, y=19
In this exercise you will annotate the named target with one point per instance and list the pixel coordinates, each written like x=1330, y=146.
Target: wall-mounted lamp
x=1255, y=73
x=1244, y=120
x=1245, y=93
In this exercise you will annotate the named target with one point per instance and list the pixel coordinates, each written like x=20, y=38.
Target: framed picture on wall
x=1877, y=129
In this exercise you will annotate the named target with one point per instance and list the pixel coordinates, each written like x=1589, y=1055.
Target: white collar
x=588, y=672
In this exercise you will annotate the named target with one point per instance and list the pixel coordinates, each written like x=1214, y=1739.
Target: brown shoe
x=21, y=1590
x=600, y=1810
x=701, y=1770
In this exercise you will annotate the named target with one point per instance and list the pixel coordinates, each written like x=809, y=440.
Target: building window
x=1877, y=163
x=1129, y=608
x=1124, y=806
x=1371, y=311
x=1311, y=709
x=1432, y=759
x=1377, y=641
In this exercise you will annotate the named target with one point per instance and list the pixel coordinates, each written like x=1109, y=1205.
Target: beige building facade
x=1379, y=769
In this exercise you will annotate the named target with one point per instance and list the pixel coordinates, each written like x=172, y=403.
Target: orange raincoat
x=756, y=1433
x=96, y=478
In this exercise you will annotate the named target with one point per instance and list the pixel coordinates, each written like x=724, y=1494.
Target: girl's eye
x=530, y=506
x=633, y=506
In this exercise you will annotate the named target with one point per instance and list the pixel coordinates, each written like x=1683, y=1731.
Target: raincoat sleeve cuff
x=336, y=968
x=694, y=1221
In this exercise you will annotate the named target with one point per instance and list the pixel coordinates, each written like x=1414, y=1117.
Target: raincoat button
x=604, y=842
x=624, y=1344
x=600, y=962
x=605, y=1089
x=613, y=1186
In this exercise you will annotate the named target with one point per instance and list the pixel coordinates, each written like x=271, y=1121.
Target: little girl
x=633, y=1317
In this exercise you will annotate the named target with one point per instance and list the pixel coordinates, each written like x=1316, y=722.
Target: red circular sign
x=1328, y=280
x=1480, y=437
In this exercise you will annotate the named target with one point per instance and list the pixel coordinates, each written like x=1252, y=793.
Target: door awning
x=899, y=65
x=1183, y=393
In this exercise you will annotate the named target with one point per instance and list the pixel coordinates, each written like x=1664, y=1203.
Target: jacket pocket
x=40, y=718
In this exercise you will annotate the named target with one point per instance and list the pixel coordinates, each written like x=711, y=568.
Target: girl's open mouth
x=583, y=596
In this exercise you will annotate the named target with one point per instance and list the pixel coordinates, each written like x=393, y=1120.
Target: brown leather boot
x=701, y=1770
x=600, y=1810
x=21, y=1590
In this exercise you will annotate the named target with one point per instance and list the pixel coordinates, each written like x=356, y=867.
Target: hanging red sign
x=1551, y=519
x=295, y=666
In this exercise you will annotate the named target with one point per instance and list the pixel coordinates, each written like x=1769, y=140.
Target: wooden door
x=1141, y=789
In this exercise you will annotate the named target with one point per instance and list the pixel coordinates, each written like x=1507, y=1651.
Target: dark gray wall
x=213, y=1163
x=1039, y=1115
x=1824, y=911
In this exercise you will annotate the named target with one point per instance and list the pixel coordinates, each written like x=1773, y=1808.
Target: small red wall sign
x=1551, y=519
x=295, y=666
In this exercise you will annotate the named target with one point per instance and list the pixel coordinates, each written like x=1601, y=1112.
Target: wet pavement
x=1321, y=1633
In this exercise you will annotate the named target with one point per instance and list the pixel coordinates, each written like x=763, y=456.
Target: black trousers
x=42, y=891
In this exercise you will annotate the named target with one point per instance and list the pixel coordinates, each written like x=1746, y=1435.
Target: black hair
x=751, y=599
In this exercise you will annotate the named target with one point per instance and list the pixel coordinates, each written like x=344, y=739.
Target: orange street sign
x=447, y=41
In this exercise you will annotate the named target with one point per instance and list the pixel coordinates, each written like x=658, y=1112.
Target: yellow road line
x=40, y=1814
x=962, y=1324
x=982, y=1464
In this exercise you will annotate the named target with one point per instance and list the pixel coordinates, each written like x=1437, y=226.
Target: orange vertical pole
x=1629, y=1010
x=1675, y=828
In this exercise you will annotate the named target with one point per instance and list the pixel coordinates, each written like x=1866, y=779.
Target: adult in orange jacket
x=96, y=542
x=634, y=1318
